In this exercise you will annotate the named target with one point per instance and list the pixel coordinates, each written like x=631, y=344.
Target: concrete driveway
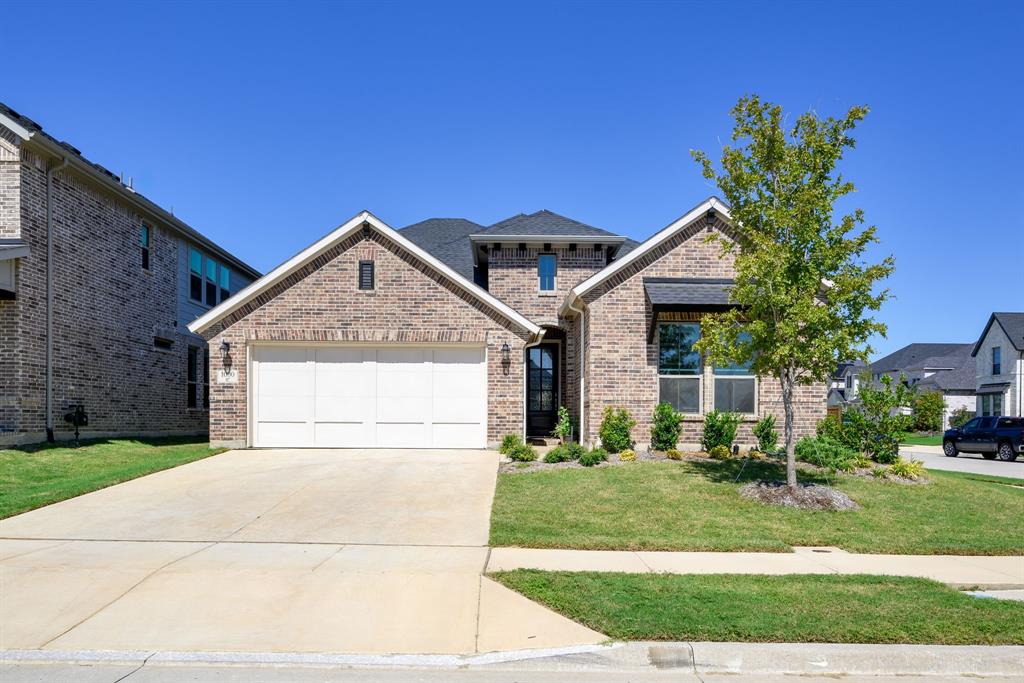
x=933, y=459
x=355, y=551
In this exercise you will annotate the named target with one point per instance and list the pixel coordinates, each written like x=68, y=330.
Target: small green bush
x=835, y=429
x=767, y=437
x=906, y=469
x=673, y=454
x=509, y=443
x=826, y=452
x=592, y=457
x=665, y=427
x=719, y=430
x=720, y=452
x=522, y=453
x=627, y=455
x=960, y=417
x=928, y=409
x=615, y=427
x=565, y=453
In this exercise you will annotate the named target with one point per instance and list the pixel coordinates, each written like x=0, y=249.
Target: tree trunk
x=786, y=379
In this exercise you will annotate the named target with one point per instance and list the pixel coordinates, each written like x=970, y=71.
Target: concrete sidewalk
x=959, y=571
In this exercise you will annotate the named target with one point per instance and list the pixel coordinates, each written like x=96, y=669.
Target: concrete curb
x=697, y=657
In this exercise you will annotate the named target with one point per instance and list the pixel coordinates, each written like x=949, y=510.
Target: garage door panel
x=402, y=435
x=458, y=435
x=282, y=434
x=342, y=435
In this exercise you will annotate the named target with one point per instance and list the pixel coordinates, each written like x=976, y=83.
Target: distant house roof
x=846, y=366
x=960, y=378
x=1013, y=326
x=914, y=356
x=447, y=239
x=545, y=223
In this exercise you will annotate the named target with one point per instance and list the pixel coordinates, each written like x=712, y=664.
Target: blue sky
x=266, y=125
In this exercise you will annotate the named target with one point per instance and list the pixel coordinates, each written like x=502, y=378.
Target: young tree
x=928, y=409
x=803, y=291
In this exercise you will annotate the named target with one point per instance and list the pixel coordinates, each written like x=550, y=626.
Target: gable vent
x=366, y=275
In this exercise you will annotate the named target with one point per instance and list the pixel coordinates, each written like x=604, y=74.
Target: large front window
x=991, y=404
x=735, y=386
x=679, y=366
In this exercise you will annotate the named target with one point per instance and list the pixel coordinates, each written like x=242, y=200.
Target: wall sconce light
x=225, y=354
x=506, y=358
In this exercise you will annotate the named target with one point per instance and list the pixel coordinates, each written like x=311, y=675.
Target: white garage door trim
x=368, y=396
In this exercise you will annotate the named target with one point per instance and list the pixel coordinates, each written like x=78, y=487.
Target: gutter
x=49, y=295
x=582, y=353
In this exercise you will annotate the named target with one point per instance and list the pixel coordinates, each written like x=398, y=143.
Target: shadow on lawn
x=85, y=443
x=743, y=471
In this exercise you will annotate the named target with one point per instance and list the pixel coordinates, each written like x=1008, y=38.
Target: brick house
x=97, y=285
x=998, y=364
x=450, y=334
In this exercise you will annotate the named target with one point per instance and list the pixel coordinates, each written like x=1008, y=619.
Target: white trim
x=342, y=232
x=15, y=127
x=648, y=245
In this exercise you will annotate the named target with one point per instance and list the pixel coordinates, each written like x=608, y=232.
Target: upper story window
x=679, y=366
x=735, y=386
x=144, y=237
x=209, y=281
x=366, y=279
x=997, y=360
x=546, y=272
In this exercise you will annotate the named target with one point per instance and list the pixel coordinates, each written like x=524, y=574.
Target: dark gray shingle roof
x=912, y=355
x=960, y=378
x=688, y=291
x=544, y=222
x=1012, y=324
x=447, y=239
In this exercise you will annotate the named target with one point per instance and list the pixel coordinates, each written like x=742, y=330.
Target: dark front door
x=541, y=389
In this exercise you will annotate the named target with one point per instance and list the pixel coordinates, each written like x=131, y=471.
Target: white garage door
x=366, y=397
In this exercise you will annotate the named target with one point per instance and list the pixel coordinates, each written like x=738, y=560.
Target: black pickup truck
x=993, y=437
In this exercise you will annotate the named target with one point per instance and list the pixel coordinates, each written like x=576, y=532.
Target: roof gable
x=544, y=223
x=915, y=355
x=447, y=239
x=361, y=221
x=1013, y=327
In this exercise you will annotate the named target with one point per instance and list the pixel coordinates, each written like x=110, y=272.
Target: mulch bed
x=801, y=496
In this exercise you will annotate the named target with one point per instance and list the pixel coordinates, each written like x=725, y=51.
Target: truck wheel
x=1006, y=452
x=949, y=448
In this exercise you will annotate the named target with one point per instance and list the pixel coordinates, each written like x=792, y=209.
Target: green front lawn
x=37, y=475
x=797, y=608
x=695, y=505
x=921, y=440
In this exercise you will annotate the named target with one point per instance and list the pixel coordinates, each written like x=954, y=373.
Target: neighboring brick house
x=999, y=366
x=947, y=368
x=451, y=334
x=110, y=330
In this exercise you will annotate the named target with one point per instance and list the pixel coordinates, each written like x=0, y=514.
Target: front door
x=541, y=389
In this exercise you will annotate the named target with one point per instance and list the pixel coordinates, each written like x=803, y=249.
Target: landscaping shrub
x=906, y=469
x=522, y=453
x=615, y=427
x=878, y=420
x=720, y=452
x=719, y=430
x=665, y=427
x=928, y=409
x=834, y=428
x=565, y=452
x=627, y=455
x=564, y=428
x=826, y=452
x=592, y=457
x=767, y=437
x=673, y=454
x=960, y=417
x=509, y=443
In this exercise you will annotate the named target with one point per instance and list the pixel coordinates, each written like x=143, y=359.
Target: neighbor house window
x=679, y=366
x=144, y=245
x=546, y=272
x=997, y=360
x=991, y=404
x=366, y=275
x=209, y=281
x=735, y=386
x=192, y=383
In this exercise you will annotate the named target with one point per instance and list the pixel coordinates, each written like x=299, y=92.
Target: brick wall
x=410, y=304
x=622, y=368
x=512, y=277
x=106, y=312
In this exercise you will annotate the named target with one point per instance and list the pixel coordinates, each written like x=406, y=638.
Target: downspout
x=49, y=296
x=536, y=342
x=583, y=380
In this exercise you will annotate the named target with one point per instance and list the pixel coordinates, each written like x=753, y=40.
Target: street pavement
x=933, y=459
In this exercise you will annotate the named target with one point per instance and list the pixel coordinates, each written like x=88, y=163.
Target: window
x=366, y=275
x=195, y=269
x=991, y=404
x=997, y=360
x=972, y=424
x=144, y=245
x=679, y=366
x=191, y=385
x=735, y=386
x=546, y=272
x=206, y=379
x=209, y=281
